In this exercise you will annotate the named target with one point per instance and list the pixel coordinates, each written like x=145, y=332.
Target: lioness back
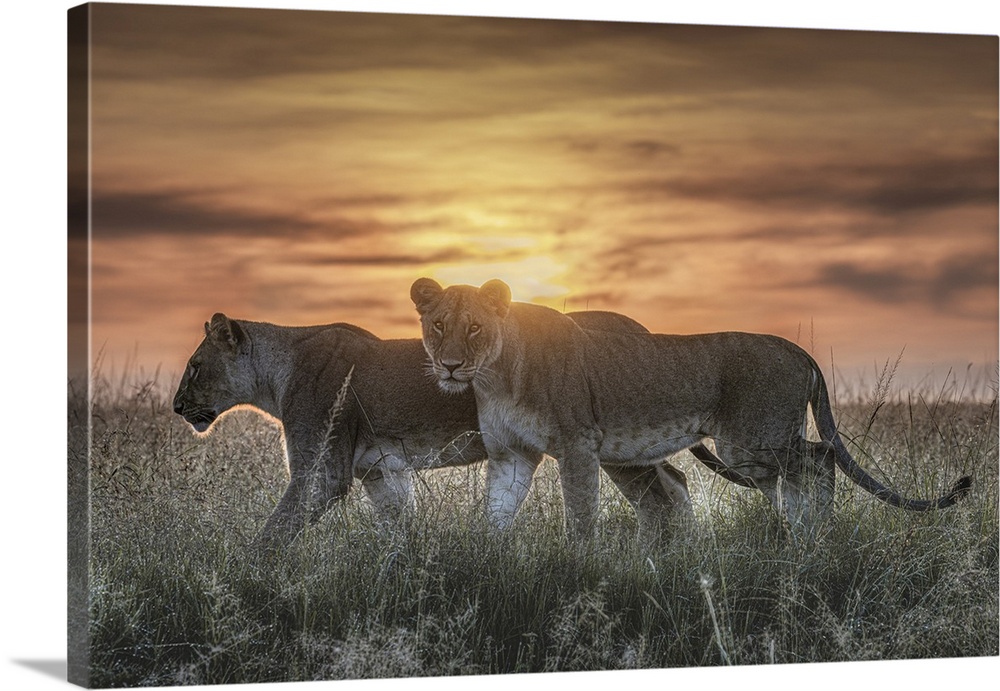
x=713, y=388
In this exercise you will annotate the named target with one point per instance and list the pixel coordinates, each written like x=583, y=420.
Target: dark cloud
x=455, y=254
x=628, y=152
x=189, y=213
x=930, y=184
x=882, y=62
x=77, y=210
x=375, y=201
x=651, y=148
x=235, y=44
x=368, y=200
x=944, y=285
x=937, y=181
x=631, y=247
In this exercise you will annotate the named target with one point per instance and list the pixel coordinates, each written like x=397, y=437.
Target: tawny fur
x=544, y=385
x=393, y=419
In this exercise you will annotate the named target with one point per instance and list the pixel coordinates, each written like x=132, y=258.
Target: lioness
x=392, y=420
x=595, y=399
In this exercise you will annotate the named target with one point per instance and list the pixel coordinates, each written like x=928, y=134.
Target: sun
x=503, y=242
x=496, y=246
x=534, y=278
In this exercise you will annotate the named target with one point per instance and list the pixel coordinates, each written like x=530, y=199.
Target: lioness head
x=462, y=328
x=215, y=379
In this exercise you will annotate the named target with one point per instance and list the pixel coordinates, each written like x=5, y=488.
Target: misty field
x=176, y=597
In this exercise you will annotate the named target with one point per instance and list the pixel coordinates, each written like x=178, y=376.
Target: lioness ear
x=498, y=293
x=423, y=292
x=225, y=330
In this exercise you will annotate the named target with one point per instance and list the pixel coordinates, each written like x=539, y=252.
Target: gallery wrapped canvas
x=418, y=345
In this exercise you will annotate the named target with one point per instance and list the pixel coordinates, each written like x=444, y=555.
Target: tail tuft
x=960, y=490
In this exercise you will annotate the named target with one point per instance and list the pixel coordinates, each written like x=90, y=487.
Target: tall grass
x=176, y=596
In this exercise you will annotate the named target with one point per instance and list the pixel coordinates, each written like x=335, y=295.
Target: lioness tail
x=828, y=432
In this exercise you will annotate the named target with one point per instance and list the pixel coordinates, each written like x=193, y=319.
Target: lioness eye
x=438, y=326
x=474, y=328
x=193, y=371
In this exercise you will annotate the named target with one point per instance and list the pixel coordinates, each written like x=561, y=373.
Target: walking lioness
x=392, y=419
x=543, y=385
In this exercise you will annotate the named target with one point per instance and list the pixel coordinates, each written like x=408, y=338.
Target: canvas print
x=414, y=345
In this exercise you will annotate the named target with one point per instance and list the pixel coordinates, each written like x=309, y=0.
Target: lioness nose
x=452, y=365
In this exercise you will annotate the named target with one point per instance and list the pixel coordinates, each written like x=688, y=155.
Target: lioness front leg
x=508, y=478
x=289, y=516
x=580, y=477
x=315, y=484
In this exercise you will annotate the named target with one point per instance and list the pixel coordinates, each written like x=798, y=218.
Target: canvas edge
x=78, y=331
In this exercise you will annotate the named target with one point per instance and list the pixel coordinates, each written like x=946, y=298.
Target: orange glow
x=536, y=278
x=694, y=178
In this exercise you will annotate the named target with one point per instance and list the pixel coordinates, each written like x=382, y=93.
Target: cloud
x=919, y=184
x=192, y=213
x=937, y=182
x=620, y=58
x=227, y=43
x=388, y=259
x=291, y=165
x=945, y=285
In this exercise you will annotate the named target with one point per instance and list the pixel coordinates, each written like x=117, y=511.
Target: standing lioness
x=391, y=419
x=543, y=385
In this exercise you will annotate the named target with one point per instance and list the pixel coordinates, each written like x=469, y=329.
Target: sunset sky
x=836, y=188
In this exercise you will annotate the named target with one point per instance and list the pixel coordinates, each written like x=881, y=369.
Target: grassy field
x=176, y=598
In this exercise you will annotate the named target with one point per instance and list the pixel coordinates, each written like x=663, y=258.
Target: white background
x=33, y=164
